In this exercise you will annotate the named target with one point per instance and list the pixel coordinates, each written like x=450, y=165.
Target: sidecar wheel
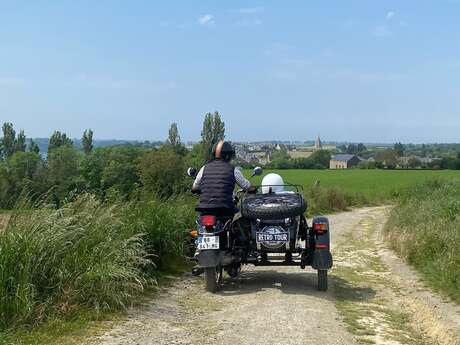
x=322, y=280
x=211, y=278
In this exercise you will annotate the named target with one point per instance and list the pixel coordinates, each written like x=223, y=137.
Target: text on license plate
x=263, y=237
x=207, y=242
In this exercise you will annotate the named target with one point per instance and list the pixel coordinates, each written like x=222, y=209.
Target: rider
x=216, y=181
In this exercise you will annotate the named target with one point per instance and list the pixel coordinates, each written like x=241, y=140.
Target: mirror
x=257, y=171
x=191, y=172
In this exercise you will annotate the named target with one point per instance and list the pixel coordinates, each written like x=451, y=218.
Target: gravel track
x=273, y=305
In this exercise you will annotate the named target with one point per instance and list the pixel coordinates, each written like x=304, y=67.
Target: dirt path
x=280, y=305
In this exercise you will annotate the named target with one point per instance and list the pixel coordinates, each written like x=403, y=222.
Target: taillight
x=208, y=220
x=320, y=228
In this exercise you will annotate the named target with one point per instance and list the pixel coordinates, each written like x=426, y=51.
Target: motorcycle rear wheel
x=322, y=280
x=211, y=278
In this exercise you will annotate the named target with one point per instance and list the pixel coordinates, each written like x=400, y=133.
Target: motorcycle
x=269, y=229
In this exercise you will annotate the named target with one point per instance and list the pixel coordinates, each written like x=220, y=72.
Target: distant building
x=294, y=154
x=318, y=143
x=343, y=161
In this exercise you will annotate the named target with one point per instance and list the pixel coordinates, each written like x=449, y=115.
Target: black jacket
x=217, y=185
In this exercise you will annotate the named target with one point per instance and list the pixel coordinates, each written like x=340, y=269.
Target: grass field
x=375, y=185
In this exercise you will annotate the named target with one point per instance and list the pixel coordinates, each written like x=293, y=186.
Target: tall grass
x=164, y=224
x=322, y=200
x=85, y=254
x=424, y=228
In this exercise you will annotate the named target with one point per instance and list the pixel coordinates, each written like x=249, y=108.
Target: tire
x=322, y=280
x=210, y=276
x=273, y=206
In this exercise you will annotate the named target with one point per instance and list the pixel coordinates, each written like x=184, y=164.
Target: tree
x=399, y=149
x=320, y=159
x=413, y=162
x=8, y=140
x=20, y=143
x=63, y=164
x=174, y=140
x=213, y=131
x=162, y=172
x=423, y=150
x=361, y=148
x=352, y=149
x=33, y=147
x=281, y=159
x=87, y=141
x=112, y=170
x=57, y=140
x=342, y=148
x=387, y=158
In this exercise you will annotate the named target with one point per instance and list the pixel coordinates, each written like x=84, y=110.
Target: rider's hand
x=196, y=191
x=252, y=190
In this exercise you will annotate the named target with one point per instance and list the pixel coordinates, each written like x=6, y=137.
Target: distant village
x=342, y=156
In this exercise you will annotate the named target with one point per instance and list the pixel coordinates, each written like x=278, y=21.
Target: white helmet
x=272, y=183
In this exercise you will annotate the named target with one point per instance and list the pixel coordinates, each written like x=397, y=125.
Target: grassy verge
x=424, y=229
x=60, y=269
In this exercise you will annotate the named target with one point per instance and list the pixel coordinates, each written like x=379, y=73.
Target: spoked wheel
x=322, y=280
x=213, y=278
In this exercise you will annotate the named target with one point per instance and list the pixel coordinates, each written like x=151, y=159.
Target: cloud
x=207, y=19
x=382, y=31
x=390, y=15
x=251, y=10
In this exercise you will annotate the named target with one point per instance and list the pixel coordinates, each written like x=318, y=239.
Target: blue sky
x=372, y=71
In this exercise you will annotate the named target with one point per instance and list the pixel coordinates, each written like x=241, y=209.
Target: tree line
x=111, y=173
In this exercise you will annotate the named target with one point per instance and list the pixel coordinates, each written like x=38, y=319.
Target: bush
x=424, y=228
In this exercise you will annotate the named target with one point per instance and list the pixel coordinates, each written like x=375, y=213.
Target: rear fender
x=210, y=258
x=322, y=257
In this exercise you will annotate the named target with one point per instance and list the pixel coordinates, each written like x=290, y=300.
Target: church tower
x=318, y=143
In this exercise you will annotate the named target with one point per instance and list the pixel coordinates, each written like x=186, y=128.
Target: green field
x=373, y=184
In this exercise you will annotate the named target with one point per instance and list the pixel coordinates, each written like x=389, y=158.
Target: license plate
x=207, y=242
x=263, y=237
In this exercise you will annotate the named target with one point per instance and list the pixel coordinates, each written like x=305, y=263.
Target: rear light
x=321, y=246
x=208, y=220
x=320, y=228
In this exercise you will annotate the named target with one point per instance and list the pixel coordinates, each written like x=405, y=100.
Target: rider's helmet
x=272, y=183
x=224, y=150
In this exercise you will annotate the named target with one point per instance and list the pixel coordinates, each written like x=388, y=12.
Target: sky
x=370, y=71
